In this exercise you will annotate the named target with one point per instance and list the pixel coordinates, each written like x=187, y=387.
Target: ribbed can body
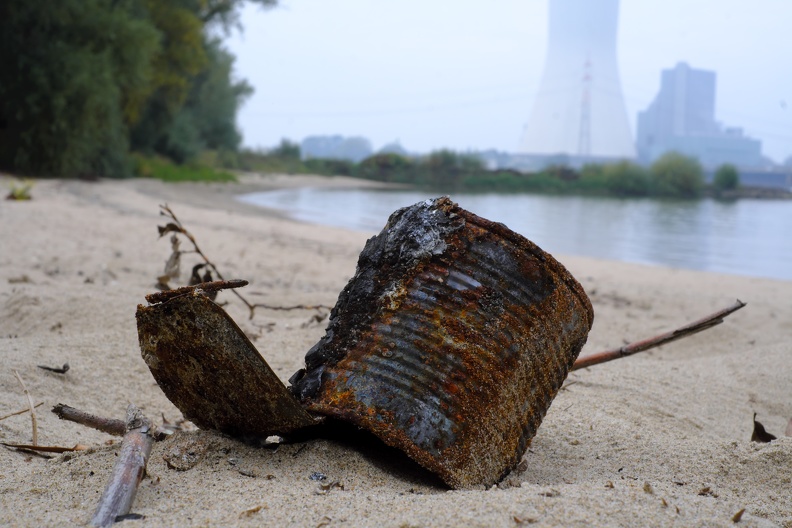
x=449, y=343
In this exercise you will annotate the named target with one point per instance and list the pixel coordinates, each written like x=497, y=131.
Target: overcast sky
x=463, y=74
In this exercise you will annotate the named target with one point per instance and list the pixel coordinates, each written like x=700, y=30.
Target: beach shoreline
x=658, y=439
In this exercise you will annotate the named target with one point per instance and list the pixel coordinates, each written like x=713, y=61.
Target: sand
x=658, y=439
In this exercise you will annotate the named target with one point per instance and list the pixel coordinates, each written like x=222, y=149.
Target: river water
x=746, y=237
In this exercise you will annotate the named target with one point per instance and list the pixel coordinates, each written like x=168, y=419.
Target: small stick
x=106, y=425
x=31, y=406
x=639, y=346
x=58, y=370
x=296, y=307
x=9, y=415
x=128, y=471
x=163, y=296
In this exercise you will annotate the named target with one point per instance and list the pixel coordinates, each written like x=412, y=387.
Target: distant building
x=336, y=147
x=682, y=118
x=579, y=112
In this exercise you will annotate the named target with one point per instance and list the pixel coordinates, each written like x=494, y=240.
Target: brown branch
x=128, y=471
x=31, y=407
x=640, y=346
x=106, y=425
x=9, y=415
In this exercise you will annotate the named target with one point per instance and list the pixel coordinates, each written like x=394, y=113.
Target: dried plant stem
x=652, y=342
x=106, y=425
x=167, y=211
x=22, y=411
x=32, y=408
x=177, y=226
x=128, y=471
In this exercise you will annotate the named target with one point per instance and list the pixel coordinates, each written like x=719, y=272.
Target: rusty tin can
x=449, y=343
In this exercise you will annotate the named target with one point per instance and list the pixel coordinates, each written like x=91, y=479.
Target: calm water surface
x=747, y=237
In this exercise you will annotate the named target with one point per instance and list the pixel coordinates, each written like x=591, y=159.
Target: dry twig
x=652, y=342
x=32, y=408
x=128, y=471
x=9, y=415
x=47, y=449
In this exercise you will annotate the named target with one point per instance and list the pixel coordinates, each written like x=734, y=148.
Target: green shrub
x=726, y=178
x=388, y=167
x=677, y=175
x=626, y=179
x=330, y=167
x=592, y=178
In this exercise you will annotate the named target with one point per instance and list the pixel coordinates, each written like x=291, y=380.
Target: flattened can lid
x=449, y=343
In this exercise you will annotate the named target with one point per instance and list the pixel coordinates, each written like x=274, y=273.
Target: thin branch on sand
x=652, y=342
x=128, y=471
x=22, y=411
x=31, y=407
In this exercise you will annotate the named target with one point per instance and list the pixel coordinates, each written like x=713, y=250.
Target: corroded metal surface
x=449, y=343
x=212, y=372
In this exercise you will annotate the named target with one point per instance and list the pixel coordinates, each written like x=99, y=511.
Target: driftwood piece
x=106, y=425
x=652, y=342
x=204, y=287
x=128, y=471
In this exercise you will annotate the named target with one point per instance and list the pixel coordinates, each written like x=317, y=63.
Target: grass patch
x=167, y=171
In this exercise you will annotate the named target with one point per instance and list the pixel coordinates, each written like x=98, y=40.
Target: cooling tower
x=579, y=109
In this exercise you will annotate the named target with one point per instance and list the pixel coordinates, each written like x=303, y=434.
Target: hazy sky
x=463, y=74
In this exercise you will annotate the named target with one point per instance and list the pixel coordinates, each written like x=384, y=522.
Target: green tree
x=677, y=175
x=73, y=73
x=389, y=167
x=287, y=150
x=726, y=178
x=83, y=80
x=446, y=167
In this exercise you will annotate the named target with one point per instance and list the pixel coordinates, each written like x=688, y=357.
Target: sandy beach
x=658, y=439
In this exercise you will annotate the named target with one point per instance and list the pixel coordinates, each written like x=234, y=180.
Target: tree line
x=84, y=84
x=672, y=175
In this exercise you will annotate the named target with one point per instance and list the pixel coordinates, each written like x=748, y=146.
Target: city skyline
x=464, y=75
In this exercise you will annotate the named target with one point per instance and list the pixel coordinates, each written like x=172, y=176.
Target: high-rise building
x=579, y=110
x=682, y=118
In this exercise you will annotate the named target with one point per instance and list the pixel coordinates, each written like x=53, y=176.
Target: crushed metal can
x=449, y=343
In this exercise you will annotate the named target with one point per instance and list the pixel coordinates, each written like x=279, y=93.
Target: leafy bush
x=677, y=175
x=726, y=178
